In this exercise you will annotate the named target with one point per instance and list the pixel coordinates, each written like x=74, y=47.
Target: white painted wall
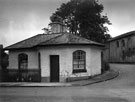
x=32, y=59
x=93, y=60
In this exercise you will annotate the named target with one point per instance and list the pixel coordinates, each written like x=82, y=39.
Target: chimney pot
x=57, y=27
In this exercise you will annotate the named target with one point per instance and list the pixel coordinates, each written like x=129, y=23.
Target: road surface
x=120, y=89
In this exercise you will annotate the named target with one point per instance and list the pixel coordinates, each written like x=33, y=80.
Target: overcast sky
x=20, y=19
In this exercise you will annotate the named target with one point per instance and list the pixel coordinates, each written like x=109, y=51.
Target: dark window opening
x=129, y=51
x=123, y=43
x=123, y=55
x=117, y=43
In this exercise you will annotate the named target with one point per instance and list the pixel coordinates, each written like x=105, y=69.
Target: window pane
x=79, y=57
x=21, y=66
x=75, y=62
x=81, y=62
x=75, y=57
x=83, y=56
x=81, y=66
x=75, y=66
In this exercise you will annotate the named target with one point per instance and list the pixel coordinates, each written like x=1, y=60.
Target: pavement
x=108, y=75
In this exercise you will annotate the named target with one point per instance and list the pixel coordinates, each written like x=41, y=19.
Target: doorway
x=54, y=68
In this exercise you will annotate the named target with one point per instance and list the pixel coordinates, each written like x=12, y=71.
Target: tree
x=83, y=18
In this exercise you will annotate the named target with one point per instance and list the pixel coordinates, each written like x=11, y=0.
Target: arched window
x=23, y=61
x=79, y=60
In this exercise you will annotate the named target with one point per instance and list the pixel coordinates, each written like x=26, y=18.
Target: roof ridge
x=91, y=41
x=83, y=38
x=50, y=39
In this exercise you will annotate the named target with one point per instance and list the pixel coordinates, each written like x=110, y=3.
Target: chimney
x=57, y=27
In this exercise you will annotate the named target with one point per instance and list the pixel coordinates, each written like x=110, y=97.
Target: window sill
x=79, y=70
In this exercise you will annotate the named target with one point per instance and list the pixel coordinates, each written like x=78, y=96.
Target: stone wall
x=123, y=50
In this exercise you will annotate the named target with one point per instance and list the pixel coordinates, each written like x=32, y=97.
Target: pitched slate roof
x=33, y=41
x=123, y=36
x=68, y=38
x=52, y=39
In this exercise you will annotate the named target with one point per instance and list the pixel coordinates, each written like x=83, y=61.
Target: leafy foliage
x=83, y=18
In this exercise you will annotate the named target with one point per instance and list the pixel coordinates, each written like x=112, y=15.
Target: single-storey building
x=54, y=57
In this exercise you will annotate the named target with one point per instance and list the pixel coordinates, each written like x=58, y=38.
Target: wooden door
x=54, y=68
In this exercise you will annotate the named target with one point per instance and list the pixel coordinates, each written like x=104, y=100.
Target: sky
x=21, y=19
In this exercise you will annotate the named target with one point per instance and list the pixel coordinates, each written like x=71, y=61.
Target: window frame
x=23, y=61
x=79, y=59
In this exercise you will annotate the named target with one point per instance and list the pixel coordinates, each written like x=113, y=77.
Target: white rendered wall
x=32, y=59
x=93, y=60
